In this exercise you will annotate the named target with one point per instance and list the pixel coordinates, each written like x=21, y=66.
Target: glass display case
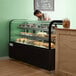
x=34, y=33
x=33, y=42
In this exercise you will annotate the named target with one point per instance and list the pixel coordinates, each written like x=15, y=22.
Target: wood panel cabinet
x=66, y=52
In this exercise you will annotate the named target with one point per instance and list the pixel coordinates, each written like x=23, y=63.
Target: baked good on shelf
x=52, y=45
x=53, y=36
x=46, y=44
x=25, y=40
x=18, y=40
x=42, y=34
x=41, y=43
x=22, y=33
x=30, y=33
x=30, y=41
x=25, y=33
x=36, y=43
x=22, y=40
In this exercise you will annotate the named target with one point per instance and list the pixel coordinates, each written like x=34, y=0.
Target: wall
x=59, y=10
x=71, y=12
x=64, y=9
x=22, y=9
x=12, y=9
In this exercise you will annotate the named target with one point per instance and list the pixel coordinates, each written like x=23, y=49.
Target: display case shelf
x=35, y=37
x=42, y=29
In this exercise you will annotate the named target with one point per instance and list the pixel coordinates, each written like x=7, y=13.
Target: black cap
x=37, y=12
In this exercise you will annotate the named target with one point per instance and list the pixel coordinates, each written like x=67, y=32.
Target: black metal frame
x=55, y=22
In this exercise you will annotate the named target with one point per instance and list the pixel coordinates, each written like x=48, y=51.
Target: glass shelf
x=27, y=32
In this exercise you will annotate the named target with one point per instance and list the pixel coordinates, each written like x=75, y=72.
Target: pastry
x=21, y=40
x=22, y=33
x=42, y=34
x=41, y=43
x=53, y=36
x=18, y=40
x=52, y=45
x=36, y=43
x=46, y=44
x=25, y=33
x=25, y=39
x=30, y=41
x=28, y=33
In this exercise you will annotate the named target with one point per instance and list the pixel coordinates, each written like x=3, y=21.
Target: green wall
x=23, y=9
x=12, y=9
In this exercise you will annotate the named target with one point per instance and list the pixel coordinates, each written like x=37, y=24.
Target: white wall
x=64, y=9
x=59, y=10
x=71, y=12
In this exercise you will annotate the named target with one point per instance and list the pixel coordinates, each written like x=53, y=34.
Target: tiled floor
x=17, y=68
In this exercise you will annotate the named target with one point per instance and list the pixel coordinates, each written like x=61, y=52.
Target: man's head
x=38, y=13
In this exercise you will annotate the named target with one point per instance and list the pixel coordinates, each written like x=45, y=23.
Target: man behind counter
x=41, y=16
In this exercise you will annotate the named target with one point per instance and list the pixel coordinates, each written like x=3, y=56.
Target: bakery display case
x=34, y=33
x=31, y=42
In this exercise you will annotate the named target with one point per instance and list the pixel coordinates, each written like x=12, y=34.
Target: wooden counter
x=66, y=52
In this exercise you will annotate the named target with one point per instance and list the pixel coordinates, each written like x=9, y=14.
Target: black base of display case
x=37, y=56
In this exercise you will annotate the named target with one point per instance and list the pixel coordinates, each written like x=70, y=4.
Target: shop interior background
x=23, y=9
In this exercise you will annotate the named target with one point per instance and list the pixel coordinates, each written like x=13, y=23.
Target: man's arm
x=46, y=17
